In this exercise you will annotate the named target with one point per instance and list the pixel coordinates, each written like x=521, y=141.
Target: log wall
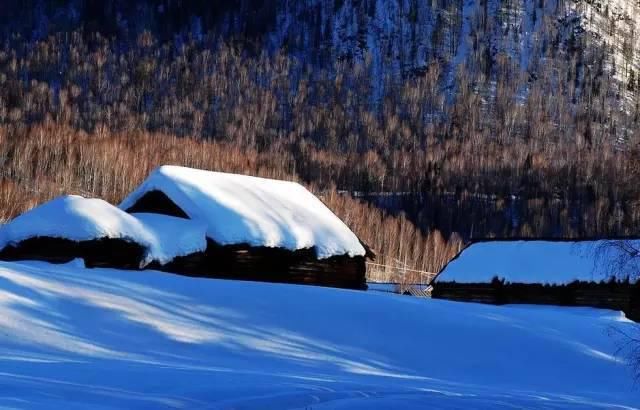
x=243, y=262
x=105, y=252
x=607, y=295
x=239, y=262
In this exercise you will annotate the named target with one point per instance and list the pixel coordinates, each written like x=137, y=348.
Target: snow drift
x=77, y=338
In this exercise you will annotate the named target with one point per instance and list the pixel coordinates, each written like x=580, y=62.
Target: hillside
x=400, y=38
x=467, y=119
x=100, y=338
x=613, y=28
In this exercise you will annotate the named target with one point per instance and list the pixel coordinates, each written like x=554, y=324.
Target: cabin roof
x=79, y=219
x=532, y=261
x=240, y=209
x=171, y=237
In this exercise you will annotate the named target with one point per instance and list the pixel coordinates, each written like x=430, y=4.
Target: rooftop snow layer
x=75, y=218
x=532, y=261
x=256, y=211
x=81, y=219
x=171, y=236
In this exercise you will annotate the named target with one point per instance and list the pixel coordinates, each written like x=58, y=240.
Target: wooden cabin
x=101, y=234
x=256, y=228
x=567, y=273
x=197, y=223
x=71, y=227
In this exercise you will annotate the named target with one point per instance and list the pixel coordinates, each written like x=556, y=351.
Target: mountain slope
x=111, y=339
x=398, y=37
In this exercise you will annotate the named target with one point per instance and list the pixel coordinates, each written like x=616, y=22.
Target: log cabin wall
x=244, y=262
x=240, y=262
x=622, y=296
x=105, y=252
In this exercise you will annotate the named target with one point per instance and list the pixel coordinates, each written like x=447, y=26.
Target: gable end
x=157, y=202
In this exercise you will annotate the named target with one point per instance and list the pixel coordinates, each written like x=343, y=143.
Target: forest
x=457, y=138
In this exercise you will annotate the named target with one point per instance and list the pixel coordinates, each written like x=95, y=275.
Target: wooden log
x=617, y=296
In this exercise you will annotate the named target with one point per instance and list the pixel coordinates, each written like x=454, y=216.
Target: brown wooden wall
x=241, y=262
x=608, y=295
x=108, y=253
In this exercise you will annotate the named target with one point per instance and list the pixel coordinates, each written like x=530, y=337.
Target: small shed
x=597, y=273
x=256, y=228
x=72, y=227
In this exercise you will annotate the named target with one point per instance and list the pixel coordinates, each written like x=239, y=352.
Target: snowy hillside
x=394, y=37
x=612, y=25
x=400, y=37
x=615, y=23
x=77, y=338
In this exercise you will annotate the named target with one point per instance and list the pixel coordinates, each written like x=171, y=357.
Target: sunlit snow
x=256, y=211
x=83, y=338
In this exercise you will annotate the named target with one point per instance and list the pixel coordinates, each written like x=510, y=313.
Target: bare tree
x=629, y=347
x=618, y=258
x=621, y=259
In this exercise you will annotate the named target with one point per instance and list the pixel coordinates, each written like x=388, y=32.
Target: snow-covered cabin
x=256, y=228
x=599, y=273
x=200, y=223
x=72, y=227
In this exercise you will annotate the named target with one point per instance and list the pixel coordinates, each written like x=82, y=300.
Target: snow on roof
x=171, y=236
x=75, y=218
x=81, y=219
x=256, y=211
x=529, y=261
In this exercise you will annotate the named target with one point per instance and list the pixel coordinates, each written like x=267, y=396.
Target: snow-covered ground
x=79, y=338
